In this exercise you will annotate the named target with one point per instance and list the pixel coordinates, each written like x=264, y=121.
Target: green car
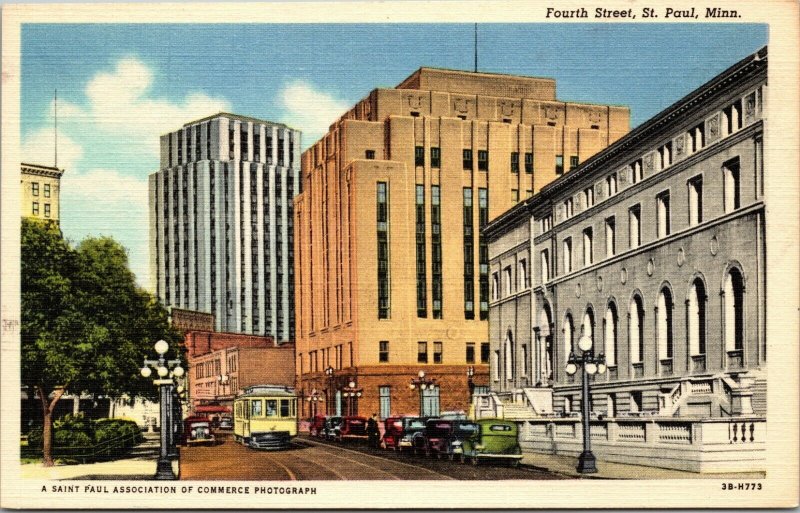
x=495, y=440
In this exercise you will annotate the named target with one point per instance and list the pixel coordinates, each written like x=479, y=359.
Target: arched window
x=569, y=330
x=546, y=362
x=734, y=310
x=697, y=318
x=610, y=334
x=636, y=329
x=588, y=324
x=664, y=323
x=509, y=356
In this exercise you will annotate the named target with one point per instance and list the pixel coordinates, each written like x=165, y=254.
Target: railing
x=700, y=387
x=113, y=447
x=675, y=433
x=631, y=432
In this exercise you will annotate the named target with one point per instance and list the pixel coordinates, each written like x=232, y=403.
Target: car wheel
x=514, y=463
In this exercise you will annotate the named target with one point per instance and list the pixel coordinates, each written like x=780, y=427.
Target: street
x=312, y=459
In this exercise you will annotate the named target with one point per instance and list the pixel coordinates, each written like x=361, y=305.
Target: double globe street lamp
x=329, y=410
x=422, y=383
x=591, y=365
x=351, y=393
x=165, y=370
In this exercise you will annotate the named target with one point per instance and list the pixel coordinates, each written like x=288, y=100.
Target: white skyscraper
x=221, y=234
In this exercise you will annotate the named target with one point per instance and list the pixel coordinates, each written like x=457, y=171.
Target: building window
x=587, y=247
x=47, y=190
x=524, y=357
x=436, y=253
x=611, y=237
x=569, y=208
x=546, y=223
x=559, y=165
x=635, y=226
x=35, y=208
x=383, y=351
x=636, y=171
x=385, y=394
x=508, y=360
x=523, y=273
x=422, y=300
x=664, y=324
x=369, y=154
x=529, y=163
x=636, y=329
x=419, y=156
x=383, y=249
x=437, y=352
x=495, y=286
x=697, y=318
x=732, y=118
x=515, y=162
x=697, y=138
x=436, y=157
x=483, y=160
x=507, y=281
x=470, y=356
x=422, y=352
x=663, y=214
x=610, y=334
x=483, y=253
x=588, y=196
x=568, y=255
x=35, y=188
x=469, y=257
x=665, y=155
x=731, y=199
x=636, y=401
x=430, y=401
x=734, y=310
x=485, y=352
x=495, y=372
x=47, y=209
x=611, y=184
x=695, y=200
x=514, y=196
x=467, y=160
x=545, y=266
x=569, y=332
x=573, y=162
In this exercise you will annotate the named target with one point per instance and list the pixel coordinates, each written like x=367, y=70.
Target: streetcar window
x=284, y=407
x=255, y=408
x=294, y=407
x=272, y=407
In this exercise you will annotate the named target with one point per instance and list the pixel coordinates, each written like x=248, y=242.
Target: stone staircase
x=722, y=395
x=148, y=449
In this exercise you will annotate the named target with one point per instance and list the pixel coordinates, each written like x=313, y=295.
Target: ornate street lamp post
x=329, y=392
x=312, y=399
x=351, y=392
x=590, y=365
x=421, y=383
x=470, y=384
x=165, y=386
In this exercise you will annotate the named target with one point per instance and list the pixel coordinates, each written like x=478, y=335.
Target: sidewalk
x=565, y=465
x=132, y=469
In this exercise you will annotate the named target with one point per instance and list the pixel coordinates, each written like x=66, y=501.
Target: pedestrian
x=372, y=430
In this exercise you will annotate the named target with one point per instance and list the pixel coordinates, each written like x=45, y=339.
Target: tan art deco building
x=391, y=275
x=41, y=186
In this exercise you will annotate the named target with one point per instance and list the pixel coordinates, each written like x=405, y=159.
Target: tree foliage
x=86, y=325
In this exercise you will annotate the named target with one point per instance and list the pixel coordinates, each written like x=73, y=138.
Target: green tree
x=86, y=325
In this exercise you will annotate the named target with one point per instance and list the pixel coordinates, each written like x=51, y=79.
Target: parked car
x=226, y=422
x=443, y=437
x=495, y=439
x=412, y=439
x=352, y=428
x=316, y=426
x=392, y=432
x=197, y=431
x=330, y=428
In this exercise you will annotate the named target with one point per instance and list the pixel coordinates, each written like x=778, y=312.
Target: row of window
x=731, y=201
x=483, y=160
x=422, y=352
x=685, y=144
x=184, y=149
x=35, y=189
x=208, y=369
x=507, y=283
x=35, y=209
x=320, y=359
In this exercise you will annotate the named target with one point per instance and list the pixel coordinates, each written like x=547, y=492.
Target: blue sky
x=120, y=86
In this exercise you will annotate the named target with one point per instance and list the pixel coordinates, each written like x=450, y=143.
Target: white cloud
x=311, y=110
x=39, y=148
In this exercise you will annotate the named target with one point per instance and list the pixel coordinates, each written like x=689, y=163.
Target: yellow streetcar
x=265, y=416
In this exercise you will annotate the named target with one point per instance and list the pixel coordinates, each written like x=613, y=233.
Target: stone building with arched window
x=654, y=248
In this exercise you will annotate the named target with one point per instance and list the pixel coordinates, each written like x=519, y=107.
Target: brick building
x=391, y=272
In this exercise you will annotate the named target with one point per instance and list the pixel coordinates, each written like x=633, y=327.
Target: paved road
x=311, y=459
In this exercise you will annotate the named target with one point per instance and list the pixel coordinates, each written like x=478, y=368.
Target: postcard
x=380, y=255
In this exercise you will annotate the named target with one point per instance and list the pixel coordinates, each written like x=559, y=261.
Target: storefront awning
x=212, y=409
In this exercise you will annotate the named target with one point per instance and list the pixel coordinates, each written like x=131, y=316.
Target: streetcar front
x=265, y=417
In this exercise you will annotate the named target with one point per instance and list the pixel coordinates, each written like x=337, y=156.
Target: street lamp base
x=164, y=470
x=586, y=463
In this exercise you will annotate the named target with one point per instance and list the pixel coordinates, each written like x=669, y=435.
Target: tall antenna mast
x=476, y=48
x=55, y=127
